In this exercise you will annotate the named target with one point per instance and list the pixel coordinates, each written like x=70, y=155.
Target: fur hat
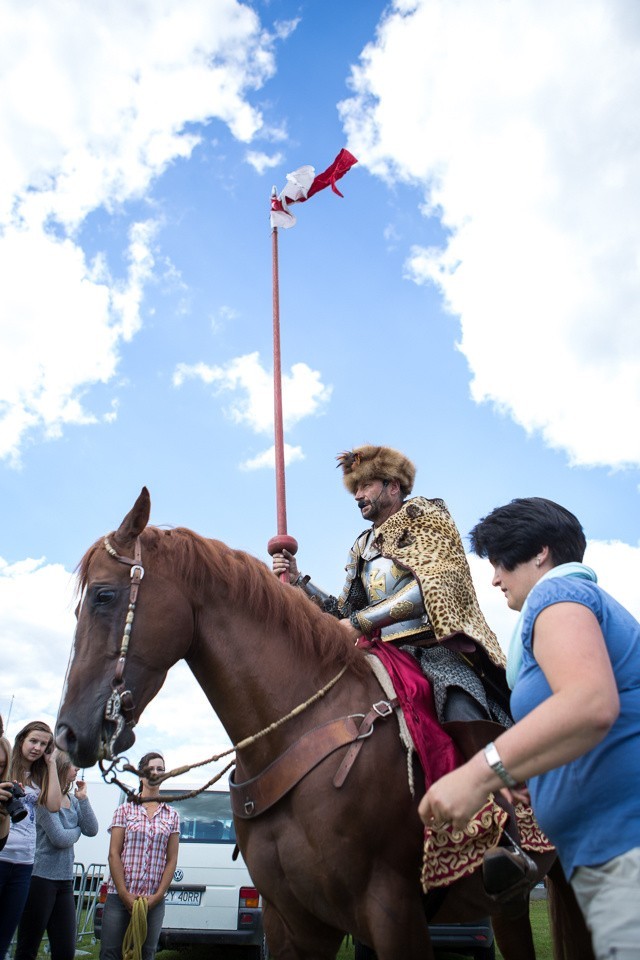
x=368, y=463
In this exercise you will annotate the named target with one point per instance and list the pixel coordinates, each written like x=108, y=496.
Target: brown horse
x=327, y=860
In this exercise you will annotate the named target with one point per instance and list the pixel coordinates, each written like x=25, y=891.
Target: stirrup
x=508, y=874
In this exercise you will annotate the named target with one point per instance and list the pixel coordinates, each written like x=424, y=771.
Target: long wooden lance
x=282, y=540
x=302, y=184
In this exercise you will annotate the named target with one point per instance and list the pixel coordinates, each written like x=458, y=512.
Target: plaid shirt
x=144, y=851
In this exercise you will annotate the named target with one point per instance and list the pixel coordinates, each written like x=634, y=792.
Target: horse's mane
x=200, y=563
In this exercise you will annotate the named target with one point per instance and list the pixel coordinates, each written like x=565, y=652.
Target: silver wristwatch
x=493, y=759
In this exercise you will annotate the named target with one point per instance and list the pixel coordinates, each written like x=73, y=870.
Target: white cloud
x=37, y=625
x=268, y=458
x=95, y=101
x=61, y=333
x=303, y=393
x=262, y=161
x=519, y=122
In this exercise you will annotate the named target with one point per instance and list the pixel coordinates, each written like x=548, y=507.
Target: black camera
x=14, y=806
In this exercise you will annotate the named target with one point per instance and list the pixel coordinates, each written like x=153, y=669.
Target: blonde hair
x=4, y=766
x=63, y=762
x=38, y=774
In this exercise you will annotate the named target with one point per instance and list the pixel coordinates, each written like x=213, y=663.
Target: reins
x=178, y=771
x=120, y=707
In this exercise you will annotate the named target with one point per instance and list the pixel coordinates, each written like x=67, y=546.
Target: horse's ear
x=136, y=520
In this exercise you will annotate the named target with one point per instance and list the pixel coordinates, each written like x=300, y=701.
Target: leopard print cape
x=423, y=537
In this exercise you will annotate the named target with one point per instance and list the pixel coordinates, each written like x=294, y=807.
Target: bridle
x=120, y=708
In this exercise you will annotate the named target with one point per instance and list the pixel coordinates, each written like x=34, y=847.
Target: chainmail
x=445, y=669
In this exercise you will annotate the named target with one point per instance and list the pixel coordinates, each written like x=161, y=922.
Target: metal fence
x=86, y=888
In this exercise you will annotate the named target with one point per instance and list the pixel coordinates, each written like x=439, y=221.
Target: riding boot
x=508, y=873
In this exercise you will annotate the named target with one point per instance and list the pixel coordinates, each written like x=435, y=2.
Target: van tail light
x=249, y=898
x=102, y=893
x=248, y=908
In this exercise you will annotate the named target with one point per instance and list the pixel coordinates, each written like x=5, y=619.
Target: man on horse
x=408, y=583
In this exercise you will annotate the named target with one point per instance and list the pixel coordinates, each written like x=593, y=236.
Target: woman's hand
x=51, y=757
x=5, y=796
x=457, y=796
x=80, y=790
x=128, y=900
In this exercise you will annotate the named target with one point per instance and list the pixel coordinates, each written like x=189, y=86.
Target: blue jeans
x=14, y=889
x=115, y=921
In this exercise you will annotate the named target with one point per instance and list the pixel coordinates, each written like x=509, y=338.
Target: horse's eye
x=104, y=595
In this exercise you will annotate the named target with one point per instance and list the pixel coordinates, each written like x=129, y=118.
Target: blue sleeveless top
x=589, y=808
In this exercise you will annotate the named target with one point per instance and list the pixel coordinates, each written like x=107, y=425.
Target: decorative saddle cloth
x=450, y=854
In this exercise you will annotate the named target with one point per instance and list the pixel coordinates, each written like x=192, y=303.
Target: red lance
x=301, y=186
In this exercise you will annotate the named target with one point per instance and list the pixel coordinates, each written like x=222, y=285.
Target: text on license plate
x=187, y=898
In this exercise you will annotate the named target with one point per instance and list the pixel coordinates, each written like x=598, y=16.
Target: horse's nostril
x=65, y=737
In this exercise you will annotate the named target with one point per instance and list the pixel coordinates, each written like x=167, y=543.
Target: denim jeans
x=50, y=907
x=115, y=921
x=14, y=889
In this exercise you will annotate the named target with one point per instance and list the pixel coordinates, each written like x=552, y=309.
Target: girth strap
x=253, y=797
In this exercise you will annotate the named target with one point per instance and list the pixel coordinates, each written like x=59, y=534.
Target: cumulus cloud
x=521, y=131
x=303, y=395
x=95, y=103
x=268, y=458
x=262, y=161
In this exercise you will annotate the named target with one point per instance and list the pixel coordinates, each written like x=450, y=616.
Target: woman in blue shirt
x=574, y=669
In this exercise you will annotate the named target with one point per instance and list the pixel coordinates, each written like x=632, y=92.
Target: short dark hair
x=514, y=533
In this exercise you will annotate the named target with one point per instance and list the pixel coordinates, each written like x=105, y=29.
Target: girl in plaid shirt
x=143, y=853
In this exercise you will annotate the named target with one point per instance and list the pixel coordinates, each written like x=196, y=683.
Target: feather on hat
x=364, y=464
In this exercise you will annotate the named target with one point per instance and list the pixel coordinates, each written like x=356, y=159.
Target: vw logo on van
x=178, y=875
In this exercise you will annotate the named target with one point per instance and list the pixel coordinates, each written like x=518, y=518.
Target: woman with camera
x=50, y=905
x=5, y=786
x=33, y=766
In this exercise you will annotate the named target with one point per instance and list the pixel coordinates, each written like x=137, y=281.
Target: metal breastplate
x=395, y=594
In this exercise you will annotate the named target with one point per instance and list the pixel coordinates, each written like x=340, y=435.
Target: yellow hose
x=136, y=933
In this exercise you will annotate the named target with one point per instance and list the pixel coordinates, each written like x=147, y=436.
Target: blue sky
x=472, y=300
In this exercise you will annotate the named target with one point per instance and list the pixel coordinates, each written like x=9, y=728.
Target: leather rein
x=254, y=796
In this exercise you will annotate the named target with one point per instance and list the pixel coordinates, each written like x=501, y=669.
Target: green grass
x=539, y=923
x=541, y=937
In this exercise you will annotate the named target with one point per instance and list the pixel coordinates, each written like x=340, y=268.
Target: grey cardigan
x=56, y=834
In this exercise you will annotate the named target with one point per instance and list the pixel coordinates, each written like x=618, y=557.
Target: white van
x=104, y=798
x=212, y=899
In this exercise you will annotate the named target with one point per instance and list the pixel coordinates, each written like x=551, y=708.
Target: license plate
x=185, y=898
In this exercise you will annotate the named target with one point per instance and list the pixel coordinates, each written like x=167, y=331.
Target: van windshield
x=205, y=819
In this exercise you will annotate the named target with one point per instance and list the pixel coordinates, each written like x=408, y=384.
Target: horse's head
x=133, y=624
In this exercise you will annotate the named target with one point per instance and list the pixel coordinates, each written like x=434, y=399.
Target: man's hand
x=285, y=562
